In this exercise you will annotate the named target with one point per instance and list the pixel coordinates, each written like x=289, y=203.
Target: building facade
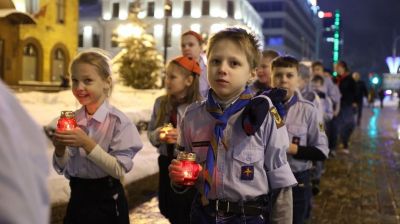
x=38, y=53
x=203, y=16
x=290, y=27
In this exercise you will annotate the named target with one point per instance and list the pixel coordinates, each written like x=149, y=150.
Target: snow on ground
x=45, y=108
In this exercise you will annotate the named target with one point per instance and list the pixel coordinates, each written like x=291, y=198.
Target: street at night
x=360, y=188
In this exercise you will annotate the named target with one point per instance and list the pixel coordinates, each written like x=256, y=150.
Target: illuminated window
x=231, y=9
x=205, y=8
x=115, y=10
x=30, y=63
x=150, y=9
x=30, y=50
x=275, y=41
x=187, y=8
x=60, y=11
x=58, y=67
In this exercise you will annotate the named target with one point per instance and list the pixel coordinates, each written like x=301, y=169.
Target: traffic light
x=374, y=79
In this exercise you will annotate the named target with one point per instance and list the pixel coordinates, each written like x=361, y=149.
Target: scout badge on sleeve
x=278, y=120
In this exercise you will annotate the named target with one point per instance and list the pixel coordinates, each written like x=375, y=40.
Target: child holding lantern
x=239, y=141
x=182, y=86
x=100, y=149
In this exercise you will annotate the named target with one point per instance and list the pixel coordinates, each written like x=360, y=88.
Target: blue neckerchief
x=222, y=118
x=277, y=95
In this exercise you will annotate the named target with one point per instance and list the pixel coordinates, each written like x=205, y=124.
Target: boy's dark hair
x=318, y=78
x=285, y=62
x=316, y=63
x=343, y=64
x=270, y=54
x=245, y=40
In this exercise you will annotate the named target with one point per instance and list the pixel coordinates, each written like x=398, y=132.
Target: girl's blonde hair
x=168, y=102
x=97, y=58
x=243, y=39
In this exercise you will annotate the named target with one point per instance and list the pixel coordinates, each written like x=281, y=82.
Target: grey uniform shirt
x=305, y=127
x=332, y=90
x=264, y=152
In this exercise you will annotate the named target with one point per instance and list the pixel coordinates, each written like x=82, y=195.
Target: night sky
x=369, y=29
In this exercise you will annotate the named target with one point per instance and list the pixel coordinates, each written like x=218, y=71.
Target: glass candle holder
x=164, y=131
x=190, y=168
x=66, y=121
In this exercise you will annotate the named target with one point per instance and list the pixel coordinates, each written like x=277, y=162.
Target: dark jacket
x=347, y=87
x=361, y=91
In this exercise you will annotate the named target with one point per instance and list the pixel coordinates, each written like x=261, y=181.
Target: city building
x=37, y=41
x=97, y=29
x=290, y=26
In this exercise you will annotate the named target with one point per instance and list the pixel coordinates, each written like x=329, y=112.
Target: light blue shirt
x=113, y=131
x=264, y=152
x=303, y=122
x=332, y=90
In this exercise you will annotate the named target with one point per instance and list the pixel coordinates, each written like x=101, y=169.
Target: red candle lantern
x=190, y=167
x=66, y=121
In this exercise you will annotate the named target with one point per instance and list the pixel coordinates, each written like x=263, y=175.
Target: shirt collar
x=100, y=114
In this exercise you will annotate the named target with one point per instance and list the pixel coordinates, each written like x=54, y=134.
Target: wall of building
x=10, y=61
x=49, y=33
x=289, y=27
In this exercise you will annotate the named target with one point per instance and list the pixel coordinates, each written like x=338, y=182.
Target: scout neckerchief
x=222, y=118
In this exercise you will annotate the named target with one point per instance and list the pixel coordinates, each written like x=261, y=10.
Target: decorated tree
x=140, y=63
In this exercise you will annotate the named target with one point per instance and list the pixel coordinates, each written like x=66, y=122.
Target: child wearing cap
x=182, y=85
x=239, y=141
x=192, y=47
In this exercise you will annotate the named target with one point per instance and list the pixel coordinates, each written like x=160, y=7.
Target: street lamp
x=167, y=13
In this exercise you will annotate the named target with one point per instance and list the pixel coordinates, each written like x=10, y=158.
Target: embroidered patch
x=321, y=127
x=296, y=140
x=278, y=120
x=247, y=173
x=200, y=144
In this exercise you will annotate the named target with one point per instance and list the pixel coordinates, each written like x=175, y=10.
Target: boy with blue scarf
x=306, y=134
x=240, y=141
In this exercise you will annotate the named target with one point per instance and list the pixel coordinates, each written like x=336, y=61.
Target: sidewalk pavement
x=364, y=186
x=360, y=188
